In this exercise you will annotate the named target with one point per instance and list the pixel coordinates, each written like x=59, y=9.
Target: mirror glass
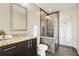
x=18, y=17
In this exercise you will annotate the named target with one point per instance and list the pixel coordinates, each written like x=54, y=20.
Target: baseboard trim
x=65, y=46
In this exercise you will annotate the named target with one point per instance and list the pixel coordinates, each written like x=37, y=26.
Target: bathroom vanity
x=16, y=22
x=19, y=46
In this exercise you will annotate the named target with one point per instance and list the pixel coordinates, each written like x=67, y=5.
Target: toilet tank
x=50, y=41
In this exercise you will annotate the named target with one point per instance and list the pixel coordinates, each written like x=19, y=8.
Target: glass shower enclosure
x=53, y=27
x=49, y=27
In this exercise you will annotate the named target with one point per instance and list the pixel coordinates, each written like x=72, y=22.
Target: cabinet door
x=20, y=49
x=8, y=50
x=31, y=47
x=28, y=50
x=34, y=47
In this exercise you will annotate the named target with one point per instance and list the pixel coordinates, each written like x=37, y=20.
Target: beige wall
x=65, y=14
x=5, y=17
x=74, y=13
x=33, y=18
x=77, y=28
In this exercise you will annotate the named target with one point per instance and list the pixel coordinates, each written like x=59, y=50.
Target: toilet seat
x=42, y=47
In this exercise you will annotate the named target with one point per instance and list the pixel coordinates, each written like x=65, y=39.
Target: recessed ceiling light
x=50, y=9
x=24, y=4
x=48, y=17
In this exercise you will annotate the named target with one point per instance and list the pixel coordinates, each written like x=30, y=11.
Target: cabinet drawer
x=7, y=46
x=9, y=51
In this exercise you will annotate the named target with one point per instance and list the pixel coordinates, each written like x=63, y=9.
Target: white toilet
x=41, y=49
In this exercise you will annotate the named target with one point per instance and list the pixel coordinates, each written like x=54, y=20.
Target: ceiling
x=52, y=7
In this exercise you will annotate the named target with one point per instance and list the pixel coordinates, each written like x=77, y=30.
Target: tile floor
x=63, y=51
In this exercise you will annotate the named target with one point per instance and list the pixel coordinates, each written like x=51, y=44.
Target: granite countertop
x=14, y=40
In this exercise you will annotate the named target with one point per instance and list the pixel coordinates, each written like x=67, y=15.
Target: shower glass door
x=53, y=27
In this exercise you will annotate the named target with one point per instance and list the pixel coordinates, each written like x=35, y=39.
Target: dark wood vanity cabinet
x=25, y=48
x=31, y=47
x=19, y=49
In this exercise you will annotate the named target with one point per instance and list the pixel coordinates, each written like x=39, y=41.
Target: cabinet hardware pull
x=9, y=48
x=28, y=44
x=31, y=43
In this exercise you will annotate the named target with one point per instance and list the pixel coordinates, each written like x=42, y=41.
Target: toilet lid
x=43, y=46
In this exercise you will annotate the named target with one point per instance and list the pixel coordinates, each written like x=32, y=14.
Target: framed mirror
x=18, y=17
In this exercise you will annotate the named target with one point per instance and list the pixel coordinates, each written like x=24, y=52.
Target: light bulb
x=50, y=9
x=48, y=17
